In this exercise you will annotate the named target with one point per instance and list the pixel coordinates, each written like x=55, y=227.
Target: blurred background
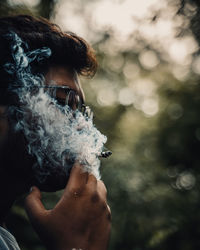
x=146, y=99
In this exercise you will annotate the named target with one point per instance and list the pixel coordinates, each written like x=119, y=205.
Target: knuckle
x=95, y=197
x=90, y=190
x=93, y=178
x=101, y=183
x=102, y=186
x=104, y=206
x=109, y=216
x=105, y=191
x=105, y=211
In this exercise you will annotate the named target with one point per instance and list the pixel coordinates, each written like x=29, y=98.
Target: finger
x=78, y=178
x=102, y=189
x=34, y=207
x=109, y=210
x=92, y=182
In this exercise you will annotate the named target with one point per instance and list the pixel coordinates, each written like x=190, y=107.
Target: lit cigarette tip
x=105, y=154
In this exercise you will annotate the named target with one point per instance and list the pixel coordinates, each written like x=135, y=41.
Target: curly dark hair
x=67, y=48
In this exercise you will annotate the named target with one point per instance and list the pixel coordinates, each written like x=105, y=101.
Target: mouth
x=55, y=180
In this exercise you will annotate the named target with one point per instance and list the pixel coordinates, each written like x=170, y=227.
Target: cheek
x=14, y=156
x=55, y=181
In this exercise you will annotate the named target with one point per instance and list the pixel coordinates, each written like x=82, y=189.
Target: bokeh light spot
x=148, y=59
x=106, y=97
x=144, y=87
x=126, y=96
x=186, y=180
x=181, y=49
x=196, y=65
x=131, y=70
x=150, y=106
x=29, y=3
x=175, y=111
x=180, y=72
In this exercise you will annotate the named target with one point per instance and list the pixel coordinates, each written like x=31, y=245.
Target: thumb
x=34, y=207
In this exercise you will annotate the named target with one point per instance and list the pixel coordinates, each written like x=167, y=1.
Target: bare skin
x=81, y=218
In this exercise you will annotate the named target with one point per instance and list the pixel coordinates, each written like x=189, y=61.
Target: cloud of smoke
x=57, y=136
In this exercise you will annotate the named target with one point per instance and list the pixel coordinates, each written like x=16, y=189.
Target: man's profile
x=81, y=219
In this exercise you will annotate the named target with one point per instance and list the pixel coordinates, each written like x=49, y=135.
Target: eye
x=61, y=101
x=65, y=96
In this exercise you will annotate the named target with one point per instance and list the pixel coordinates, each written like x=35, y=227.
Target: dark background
x=146, y=99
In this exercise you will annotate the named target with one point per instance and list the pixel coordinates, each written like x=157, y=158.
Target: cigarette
x=105, y=154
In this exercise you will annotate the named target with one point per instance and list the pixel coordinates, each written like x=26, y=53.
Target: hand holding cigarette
x=81, y=218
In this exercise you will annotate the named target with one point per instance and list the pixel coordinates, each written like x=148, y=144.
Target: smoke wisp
x=57, y=136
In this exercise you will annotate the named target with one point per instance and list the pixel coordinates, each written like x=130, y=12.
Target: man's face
x=61, y=76
x=14, y=147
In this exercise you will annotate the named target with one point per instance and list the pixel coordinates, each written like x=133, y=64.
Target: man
x=81, y=218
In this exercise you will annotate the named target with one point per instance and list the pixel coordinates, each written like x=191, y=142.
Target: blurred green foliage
x=153, y=126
